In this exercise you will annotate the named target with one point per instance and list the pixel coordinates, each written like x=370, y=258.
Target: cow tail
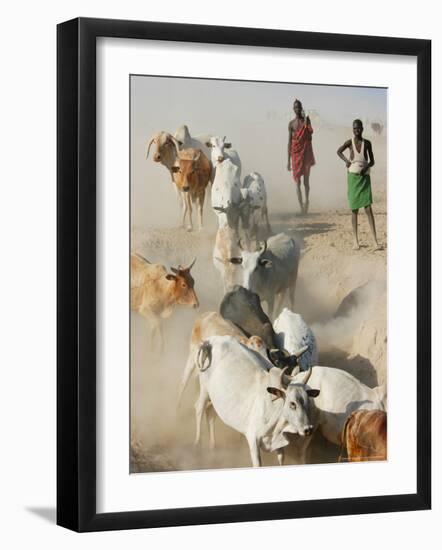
x=204, y=355
x=343, y=454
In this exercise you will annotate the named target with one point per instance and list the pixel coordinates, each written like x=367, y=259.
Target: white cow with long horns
x=251, y=399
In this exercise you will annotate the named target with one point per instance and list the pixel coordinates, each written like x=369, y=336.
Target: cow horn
x=224, y=138
x=265, y=247
x=190, y=266
x=300, y=352
x=296, y=371
x=176, y=143
x=307, y=376
x=148, y=147
x=239, y=245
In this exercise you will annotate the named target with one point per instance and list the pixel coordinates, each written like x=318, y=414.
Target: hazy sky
x=254, y=117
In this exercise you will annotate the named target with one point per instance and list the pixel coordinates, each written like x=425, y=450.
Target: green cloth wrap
x=359, y=191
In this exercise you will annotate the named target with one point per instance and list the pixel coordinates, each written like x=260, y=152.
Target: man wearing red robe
x=300, y=153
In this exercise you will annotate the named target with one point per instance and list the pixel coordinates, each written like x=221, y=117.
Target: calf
x=154, y=291
x=241, y=397
x=253, y=207
x=191, y=174
x=271, y=270
x=364, y=436
x=220, y=150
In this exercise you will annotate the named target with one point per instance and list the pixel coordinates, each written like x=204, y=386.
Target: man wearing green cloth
x=358, y=179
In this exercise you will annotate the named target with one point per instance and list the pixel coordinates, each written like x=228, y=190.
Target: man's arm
x=370, y=154
x=289, y=146
x=370, y=157
x=341, y=150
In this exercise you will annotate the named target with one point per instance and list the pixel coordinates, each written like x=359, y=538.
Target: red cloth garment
x=302, y=151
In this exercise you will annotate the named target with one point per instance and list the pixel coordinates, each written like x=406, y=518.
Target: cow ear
x=236, y=261
x=265, y=263
x=170, y=277
x=227, y=145
x=313, y=393
x=175, y=169
x=277, y=392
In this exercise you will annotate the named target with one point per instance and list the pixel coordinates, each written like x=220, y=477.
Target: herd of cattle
x=257, y=371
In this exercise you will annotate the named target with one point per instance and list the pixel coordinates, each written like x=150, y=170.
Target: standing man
x=358, y=179
x=300, y=152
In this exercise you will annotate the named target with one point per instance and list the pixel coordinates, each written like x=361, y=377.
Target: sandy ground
x=340, y=292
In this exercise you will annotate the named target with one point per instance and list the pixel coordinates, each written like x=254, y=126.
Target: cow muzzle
x=308, y=430
x=220, y=159
x=157, y=157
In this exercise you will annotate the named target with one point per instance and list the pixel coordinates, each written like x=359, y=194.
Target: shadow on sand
x=358, y=366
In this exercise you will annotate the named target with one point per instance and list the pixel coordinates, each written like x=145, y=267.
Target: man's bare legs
x=299, y=193
x=304, y=205
x=307, y=190
x=369, y=212
x=354, y=224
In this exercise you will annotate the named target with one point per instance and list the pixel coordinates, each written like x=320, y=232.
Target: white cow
x=226, y=194
x=340, y=394
x=235, y=383
x=220, y=150
x=271, y=270
x=293, y=333
x=254, y=205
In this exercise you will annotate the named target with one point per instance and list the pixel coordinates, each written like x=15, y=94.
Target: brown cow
x=191, y=175
x=154, y=292
x=364, y=436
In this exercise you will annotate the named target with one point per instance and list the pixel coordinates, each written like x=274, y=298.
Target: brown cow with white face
x=165, y=149
x=364, y=436
x=191, y=174
x=154, y=291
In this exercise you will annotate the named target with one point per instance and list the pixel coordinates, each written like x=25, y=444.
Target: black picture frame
x=77, y=287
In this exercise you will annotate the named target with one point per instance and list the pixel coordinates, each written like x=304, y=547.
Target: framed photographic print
x=243, y=274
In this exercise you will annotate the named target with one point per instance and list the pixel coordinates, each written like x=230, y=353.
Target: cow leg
x=200, y=209
x=298, y=450
x=190, y=365
x=184, y=211
x=200, y=407
x=211, y=416
x=189, y=210
x=280, y=455
x=255, y=454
